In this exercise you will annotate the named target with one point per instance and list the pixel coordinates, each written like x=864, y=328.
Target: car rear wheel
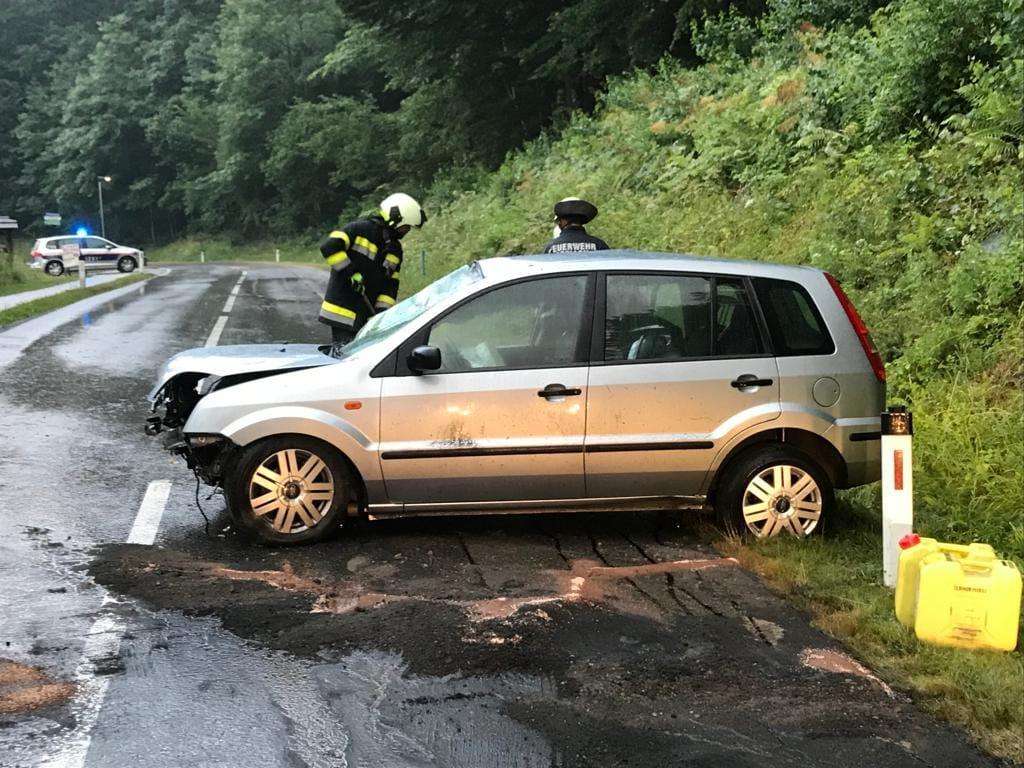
x=126, y=264
x=54, y=268
x=289, y=490
x=776, y=490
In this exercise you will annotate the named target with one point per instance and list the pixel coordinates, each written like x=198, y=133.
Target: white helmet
x=400, y=209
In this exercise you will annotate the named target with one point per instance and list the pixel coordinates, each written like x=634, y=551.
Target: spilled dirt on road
x=658, y=650
x=24, y=688
x=586, y=580
x=831, y=660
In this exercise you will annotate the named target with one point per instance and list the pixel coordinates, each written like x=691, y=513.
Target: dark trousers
x=341, y=335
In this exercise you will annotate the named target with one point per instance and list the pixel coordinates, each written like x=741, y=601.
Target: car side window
x=736, y=332
x=795, y=325
x=534, y=324
x=650, y=317
x=94, y=242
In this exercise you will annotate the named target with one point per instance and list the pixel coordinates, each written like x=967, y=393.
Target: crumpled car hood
x=241, y=358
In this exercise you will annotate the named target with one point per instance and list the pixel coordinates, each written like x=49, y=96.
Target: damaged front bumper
x=206, y=455
x=173, y=403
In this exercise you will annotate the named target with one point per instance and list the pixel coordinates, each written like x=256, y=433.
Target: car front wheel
x=126, y=264
x=289, y=490
x=776, y=490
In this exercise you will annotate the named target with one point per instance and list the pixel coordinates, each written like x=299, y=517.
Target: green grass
x=49, y=303
x=221, y=249
x=19, y=277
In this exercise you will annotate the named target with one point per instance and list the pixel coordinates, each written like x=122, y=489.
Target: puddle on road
x=151, y=321
x=360, y=708
x=395, y=719
x=24, y=688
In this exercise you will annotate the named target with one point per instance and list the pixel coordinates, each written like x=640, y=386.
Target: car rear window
x=736, y=331
x=795, y=325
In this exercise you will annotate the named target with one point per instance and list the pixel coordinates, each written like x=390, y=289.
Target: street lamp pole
x=99, y=188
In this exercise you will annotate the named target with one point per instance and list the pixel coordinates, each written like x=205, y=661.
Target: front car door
x=680, y=365
x=95, y=251
x=504, y=417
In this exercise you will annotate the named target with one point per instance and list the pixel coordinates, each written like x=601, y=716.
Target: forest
x=260, y=117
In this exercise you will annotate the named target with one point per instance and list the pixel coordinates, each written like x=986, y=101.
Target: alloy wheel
x=291, y=490
x=782, y=498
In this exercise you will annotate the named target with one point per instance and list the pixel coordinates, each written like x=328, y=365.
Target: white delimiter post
x=277, y=254
x=897, y=486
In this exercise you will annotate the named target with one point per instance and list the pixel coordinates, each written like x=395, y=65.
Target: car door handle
x=749, y=380
x=558, y=390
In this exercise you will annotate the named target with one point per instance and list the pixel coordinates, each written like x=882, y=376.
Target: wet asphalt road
x=513, y=641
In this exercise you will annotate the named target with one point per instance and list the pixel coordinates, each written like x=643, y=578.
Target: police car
x=96, y=252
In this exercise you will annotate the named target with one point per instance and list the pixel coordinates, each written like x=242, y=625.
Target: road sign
x=70, y=253
x=51, y=219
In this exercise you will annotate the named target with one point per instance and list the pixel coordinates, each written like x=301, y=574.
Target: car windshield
x=381, y=326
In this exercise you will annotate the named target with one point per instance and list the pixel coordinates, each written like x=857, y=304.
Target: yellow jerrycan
x=958, y=595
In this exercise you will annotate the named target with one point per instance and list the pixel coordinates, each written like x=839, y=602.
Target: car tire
x=54, y=268
x=126, y=264
x=289, y=490
x=775, y=489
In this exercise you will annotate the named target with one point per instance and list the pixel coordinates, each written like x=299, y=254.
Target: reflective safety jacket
x=575, y=238
x=365, y=257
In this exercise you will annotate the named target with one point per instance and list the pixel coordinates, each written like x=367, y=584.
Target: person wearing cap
x=571, y=214
x=365, y=256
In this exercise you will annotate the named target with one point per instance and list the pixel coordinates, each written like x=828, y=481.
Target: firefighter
x=365, y=257
x=571, y=214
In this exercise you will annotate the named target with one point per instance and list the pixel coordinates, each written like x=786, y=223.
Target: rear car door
x=680, y=363
x=504, y=417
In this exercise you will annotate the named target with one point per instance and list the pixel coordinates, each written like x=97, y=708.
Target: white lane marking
x=218, y=329
x=147, y=521
x=103, y=642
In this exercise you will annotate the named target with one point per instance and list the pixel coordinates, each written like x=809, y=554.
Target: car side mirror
x=109, y=247
x=424, y=359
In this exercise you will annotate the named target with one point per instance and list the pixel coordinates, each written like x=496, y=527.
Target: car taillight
x=858, y=325
x=36, y=255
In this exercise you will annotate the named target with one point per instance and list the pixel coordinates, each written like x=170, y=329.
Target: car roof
x=511, y=267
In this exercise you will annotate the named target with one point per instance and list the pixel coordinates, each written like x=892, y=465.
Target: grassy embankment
x=798, y=155
x=21, y=278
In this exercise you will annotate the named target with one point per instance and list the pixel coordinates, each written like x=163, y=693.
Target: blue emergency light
x=82, y=232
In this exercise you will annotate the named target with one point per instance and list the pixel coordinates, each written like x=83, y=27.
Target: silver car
x=608, y=381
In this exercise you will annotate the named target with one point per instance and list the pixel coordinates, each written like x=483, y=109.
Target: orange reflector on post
x=897, y=470
x=353, y=405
